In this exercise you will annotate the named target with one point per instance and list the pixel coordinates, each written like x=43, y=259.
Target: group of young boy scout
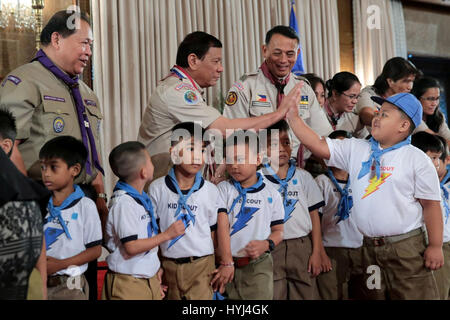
x=372, y=227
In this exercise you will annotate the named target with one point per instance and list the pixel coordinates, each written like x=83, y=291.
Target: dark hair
x=60, y=23
x=427, y=142
x=281, y=125
x=341, y=82
x=198, y=43
x=66, y=148
x=340, y=134
x=395, y=68
x=421, y=86
x=186, y=130
x=8, y=129
x=126, y=158
x=248, y=137
x=445, y=150
x=314, y=80
x=283, y=30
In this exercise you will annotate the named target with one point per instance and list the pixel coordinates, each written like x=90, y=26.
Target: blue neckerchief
x=144, y=200
x=376, y=156
x=346, y=202
x=284, y=186
x=187, y=215
x=55, y=212
x=243, y=192
x=446, y=196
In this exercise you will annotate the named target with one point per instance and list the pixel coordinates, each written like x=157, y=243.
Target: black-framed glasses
x=352, y=96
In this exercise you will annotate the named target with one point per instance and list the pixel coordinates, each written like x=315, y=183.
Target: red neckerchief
x=178, y=71
x=332, y=118
x=279, y=85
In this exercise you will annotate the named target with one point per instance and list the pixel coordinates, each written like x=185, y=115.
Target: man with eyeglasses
x=262, y=91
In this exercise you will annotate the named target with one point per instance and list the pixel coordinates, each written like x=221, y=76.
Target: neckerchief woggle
x=243, y=194
x=144, y=200
x=346, y=201
x=55, y=212
x=446, y=195
x=83, y=120
x=284, y=186
x=376, y=154
x=186, y=216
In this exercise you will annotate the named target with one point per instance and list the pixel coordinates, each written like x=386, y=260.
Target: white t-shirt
x=204, y=204
x=445, y=220
x=344, y=234
x=264, y=210
x=389, y=206
x=83, y=223
x=304, y=191
x=128, y=221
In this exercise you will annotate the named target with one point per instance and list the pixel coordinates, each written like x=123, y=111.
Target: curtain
x=136, y=43
x=398, y=23
x=374, y=38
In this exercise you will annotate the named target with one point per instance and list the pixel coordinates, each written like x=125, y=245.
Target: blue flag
x=298, y=68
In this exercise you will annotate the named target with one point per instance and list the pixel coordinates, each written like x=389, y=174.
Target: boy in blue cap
x=396, y=194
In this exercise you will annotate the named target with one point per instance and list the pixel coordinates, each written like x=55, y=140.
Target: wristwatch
x=103, y=196
x=271, y=244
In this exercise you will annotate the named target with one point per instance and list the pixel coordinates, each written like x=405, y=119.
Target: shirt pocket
x=95, y=118
x=57, y=118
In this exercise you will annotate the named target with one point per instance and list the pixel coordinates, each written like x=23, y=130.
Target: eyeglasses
x=352, y=96
x=431, y=99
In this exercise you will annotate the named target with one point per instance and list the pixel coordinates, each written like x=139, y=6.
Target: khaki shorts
x=67, y=288
x=345, y=278
x=290, y=270
x=443, y=274
x=190, y=280
x=119, y=286
x=254, y=281
x=402, y=276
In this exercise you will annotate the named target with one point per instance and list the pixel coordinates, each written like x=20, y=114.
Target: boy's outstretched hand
x=292, y=99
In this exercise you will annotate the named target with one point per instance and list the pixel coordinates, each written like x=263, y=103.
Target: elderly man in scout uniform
x=263, y=91
x=48, y=100
x=179, y=98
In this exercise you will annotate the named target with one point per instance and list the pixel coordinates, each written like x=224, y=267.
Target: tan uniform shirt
x=175, y=100
x=254, y=95
x=366, y=101
x=44, y=109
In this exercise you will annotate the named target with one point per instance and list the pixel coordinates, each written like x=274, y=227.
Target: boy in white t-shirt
x=436, y=148
x=255, y=220
x=341, y=238
x=132, y=234
x=297, y=260
x=183, y=195
x=72, y=228
x=395, y=195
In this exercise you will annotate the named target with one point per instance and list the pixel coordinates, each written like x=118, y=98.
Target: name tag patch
x=50, y=98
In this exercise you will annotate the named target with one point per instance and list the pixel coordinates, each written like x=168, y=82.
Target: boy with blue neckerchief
x=436, y=148
x=299, y=258
x=254, y=222
x=396, y=195
x=132, y=234
x=72, y=228
x=341, y=238
x=183, y=195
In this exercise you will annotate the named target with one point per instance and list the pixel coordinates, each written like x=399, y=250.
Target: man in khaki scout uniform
x=179, y=98
x=263, y=91
x=46, y=97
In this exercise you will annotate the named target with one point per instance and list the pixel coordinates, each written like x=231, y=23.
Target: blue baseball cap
x=406, y=102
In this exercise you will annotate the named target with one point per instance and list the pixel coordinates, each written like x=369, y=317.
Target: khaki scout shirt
x=44, y=109
x=254, y=95
x=366, y=101
x=175, y=100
